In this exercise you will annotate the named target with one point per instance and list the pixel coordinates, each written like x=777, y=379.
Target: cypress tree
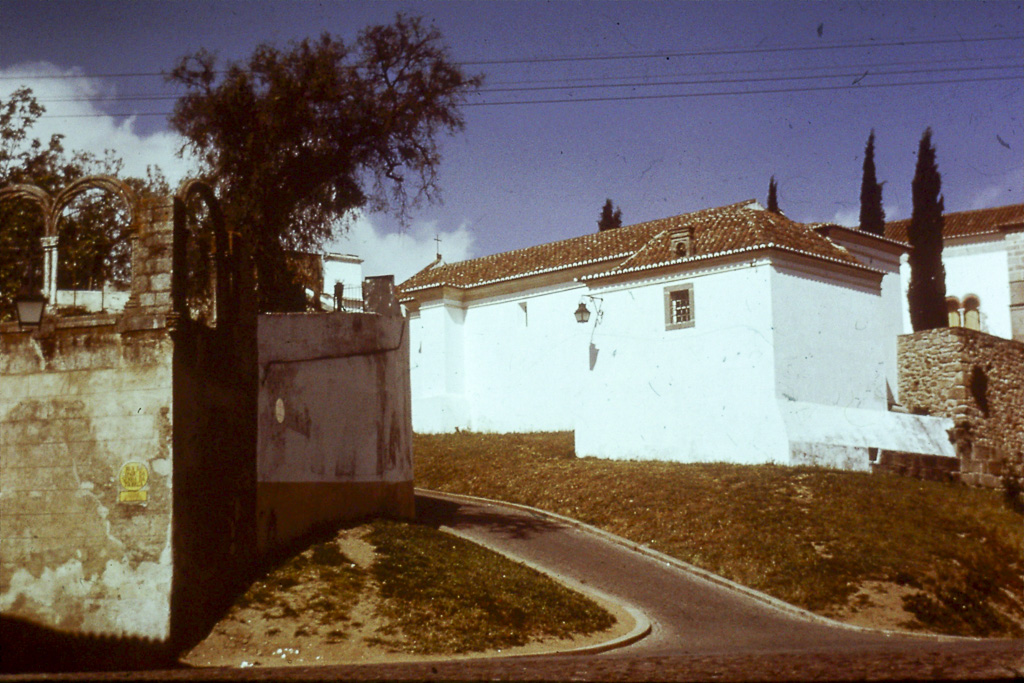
x=872, y=215
x=926, y=293
x=610, y=218
x=773, y=196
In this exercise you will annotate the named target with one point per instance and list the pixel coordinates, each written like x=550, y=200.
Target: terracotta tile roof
x=736, y=227
x=963, y=223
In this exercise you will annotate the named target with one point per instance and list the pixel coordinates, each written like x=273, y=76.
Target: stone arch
x=972, y=312
x=52, y=206
x=953, y=311
x=222, y=281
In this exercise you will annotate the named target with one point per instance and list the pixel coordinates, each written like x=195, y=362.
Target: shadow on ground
x=436, y=512
x=30, y=647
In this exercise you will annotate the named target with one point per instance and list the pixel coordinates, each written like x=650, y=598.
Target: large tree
x=926, y=292
x=773, y=196
x=610, y=218
x=296, y=138
x=872, y=215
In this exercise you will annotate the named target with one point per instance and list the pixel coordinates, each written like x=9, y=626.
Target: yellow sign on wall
x=133, y=478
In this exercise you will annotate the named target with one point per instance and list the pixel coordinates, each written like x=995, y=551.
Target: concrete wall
x=977, y=380
x=335, y=431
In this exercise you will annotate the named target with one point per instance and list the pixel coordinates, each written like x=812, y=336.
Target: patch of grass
x=809, y=536
x=339, y=580
x=442, y=594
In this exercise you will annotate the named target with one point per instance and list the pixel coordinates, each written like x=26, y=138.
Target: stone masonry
x=978, y=380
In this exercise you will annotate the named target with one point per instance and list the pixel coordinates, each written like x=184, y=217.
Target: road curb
x=710, y=577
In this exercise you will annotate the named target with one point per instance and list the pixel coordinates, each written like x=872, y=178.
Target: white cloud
x=1007, y=190
x=92, y=129
x=849, y=218
x=404, y=253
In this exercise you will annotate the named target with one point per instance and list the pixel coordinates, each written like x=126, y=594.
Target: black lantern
x=30, y=304
x=582, y=313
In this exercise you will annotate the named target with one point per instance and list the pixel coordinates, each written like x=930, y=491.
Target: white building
x=729, y=334
x=983, y=253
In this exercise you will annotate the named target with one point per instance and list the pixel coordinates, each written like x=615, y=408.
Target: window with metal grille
x=679, y=307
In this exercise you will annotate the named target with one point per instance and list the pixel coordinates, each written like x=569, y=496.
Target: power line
x=737, y=51
x=622, y=56
x=723, y=93
x=719, y=81
x=588, y=82
x=746, y=92
x=772, y=70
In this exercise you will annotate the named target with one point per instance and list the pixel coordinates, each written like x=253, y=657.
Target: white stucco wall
x=436, y=362
x=980, y=267
x=700, y=393
x=523, y=360
x=829, y=339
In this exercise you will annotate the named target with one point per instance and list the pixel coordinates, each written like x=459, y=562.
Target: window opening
x=679, y=311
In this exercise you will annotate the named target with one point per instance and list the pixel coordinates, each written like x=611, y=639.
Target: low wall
x=977, y=380
x=334, y=422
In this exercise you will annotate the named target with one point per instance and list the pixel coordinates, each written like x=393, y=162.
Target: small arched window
x=972, y=312
x=953, y=309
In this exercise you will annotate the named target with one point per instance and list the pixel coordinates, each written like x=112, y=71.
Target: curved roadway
x=690, y=614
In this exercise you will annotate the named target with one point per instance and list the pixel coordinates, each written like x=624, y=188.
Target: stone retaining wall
x=978, y=380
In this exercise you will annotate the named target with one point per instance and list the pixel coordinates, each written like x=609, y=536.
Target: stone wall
x=978, y=380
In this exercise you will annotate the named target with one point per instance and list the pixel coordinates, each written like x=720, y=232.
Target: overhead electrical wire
x=864, y=76
x=630, y=56
x=587, y=83
x=572, y=100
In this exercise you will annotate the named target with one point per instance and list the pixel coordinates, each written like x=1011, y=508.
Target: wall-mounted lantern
x=30, y=305
x=582, y=313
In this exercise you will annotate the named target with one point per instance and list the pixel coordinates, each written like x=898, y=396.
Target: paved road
x=689, y=614
x=701, y=630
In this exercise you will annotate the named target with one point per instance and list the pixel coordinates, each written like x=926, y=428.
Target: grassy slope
x=806, y=535
x=437, y=594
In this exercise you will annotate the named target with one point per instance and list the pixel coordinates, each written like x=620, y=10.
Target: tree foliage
x=773, y=196
x=926, y=292
x=296, y=138
x=94, y=234
x=872, y=215
x=610, y=218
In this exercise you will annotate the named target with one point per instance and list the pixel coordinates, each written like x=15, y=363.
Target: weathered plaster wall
x=81, y=551
x=335, y=429
x=977, y=380
x=86, y=459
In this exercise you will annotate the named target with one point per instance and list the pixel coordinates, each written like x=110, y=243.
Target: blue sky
x=522, y=174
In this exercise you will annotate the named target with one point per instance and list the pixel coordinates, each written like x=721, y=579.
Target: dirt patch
x=879, y=605
x=252, y=636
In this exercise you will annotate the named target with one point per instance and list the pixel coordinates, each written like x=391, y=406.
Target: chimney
x=681, y=241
